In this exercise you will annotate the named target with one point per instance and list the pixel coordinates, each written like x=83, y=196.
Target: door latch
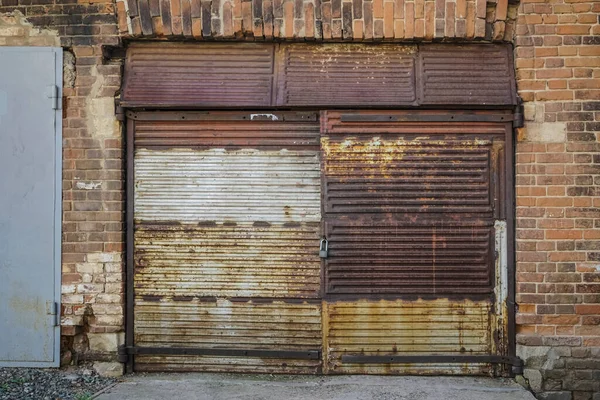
x=323, y=248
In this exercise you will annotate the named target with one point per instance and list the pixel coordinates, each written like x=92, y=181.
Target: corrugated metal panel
x=226, y=134
x=410, y=210
x=226, y=324
x=373, y=173
x=207, y=75
x=410, y=201
x=346, y=74
x=374, y=256
x=413, y=124
x=226, y=242
x=233, y=186
x=466, y=74
x=247, y=130
x=421, y=327
x=240, y=260
x=242, y=75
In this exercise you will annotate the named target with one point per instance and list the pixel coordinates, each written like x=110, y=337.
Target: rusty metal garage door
x=226, y=227
x=226, y=210
x=415, y=218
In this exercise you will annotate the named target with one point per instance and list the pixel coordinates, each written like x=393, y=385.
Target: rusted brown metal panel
x=466, y=74
x=242, y=75
x=232, y=130
x=416, y=261
x=397, y=328
x=227, y=226
x=222, y=323
x=370, y=173
x=346, y=75
x=206, y=75
x=375, y=257
x=410, y=207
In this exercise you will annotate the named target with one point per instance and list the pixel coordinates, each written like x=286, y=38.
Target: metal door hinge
x=52, y=94
x=52, y=309
x=519, y=117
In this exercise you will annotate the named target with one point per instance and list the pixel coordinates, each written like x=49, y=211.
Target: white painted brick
x=104, y=257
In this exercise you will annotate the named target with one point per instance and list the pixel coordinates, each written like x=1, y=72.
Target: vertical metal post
x=510, y=222
x=129, y=266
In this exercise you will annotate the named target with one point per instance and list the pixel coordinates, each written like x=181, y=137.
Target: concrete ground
x=285, y=387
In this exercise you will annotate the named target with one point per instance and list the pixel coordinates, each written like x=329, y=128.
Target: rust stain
x=419, y=327
x=409, y=211
x=241, y=269
x=222, y=323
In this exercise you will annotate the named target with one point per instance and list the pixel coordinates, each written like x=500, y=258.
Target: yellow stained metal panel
x=222, y=323
x=406, y=327
x=226, y=246
x=240, y=260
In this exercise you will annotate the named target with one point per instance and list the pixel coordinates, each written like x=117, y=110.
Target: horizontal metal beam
x=192, y=351
x=429, y=359
x=450, y=117
x=274, y=116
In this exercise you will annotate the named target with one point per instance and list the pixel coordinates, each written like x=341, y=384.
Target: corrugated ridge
x=210, y=73
x=346, y=75
x=275, y=186
x=414, y=260
x=231, y=261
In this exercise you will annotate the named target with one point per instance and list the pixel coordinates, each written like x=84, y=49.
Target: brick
x=587, y=309
x=562, y=341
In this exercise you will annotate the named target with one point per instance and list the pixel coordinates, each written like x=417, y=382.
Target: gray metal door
x=30, y=205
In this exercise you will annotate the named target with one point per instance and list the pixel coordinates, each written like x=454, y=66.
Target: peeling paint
x=15, y=30
x=88, y=185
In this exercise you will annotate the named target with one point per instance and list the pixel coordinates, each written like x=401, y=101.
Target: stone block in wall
x=106, y=342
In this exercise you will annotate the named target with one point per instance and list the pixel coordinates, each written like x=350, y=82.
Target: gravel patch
x=50, y=384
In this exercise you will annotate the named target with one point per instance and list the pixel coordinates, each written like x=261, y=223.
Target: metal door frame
x=57, y=261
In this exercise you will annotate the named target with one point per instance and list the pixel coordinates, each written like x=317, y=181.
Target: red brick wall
x=558, y=202
x=356, y=20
